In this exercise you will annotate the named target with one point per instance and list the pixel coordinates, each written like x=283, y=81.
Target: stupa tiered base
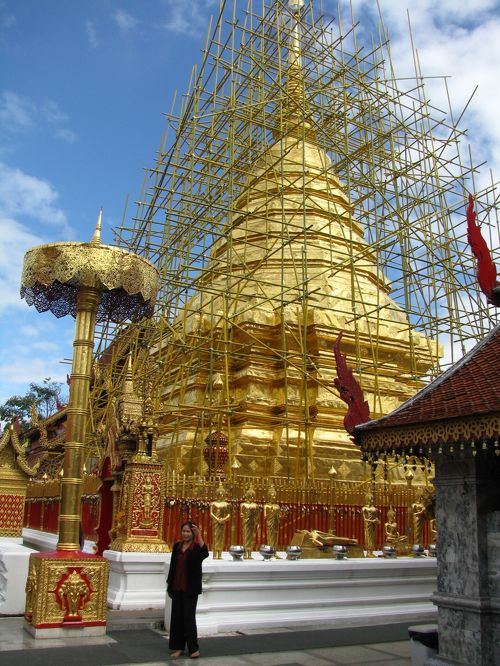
x=66, y=592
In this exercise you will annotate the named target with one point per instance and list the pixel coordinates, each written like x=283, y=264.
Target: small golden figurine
x=272, y=516
x=249, y=514
x=392, y=535
x=220, y=514
x=433, y=530
x=418, y=512
x=370, y=519
x=147, y=490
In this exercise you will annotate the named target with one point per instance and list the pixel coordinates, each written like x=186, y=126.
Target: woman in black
x=183, y=587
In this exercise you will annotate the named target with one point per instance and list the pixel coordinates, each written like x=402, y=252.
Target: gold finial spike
x=128, y=384
x=96, y=238
x=295, y=112
x=294, y=56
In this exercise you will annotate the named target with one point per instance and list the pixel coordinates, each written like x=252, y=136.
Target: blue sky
x=82, y=89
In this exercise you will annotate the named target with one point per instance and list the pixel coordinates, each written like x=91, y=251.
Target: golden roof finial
x=295, y=110
x=128, y=384
x=96, y=238
x=294, y=57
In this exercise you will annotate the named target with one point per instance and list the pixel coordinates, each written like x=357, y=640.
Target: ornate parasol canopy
x=53, y=273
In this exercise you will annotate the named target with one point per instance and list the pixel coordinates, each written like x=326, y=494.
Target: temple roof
x=470, y=389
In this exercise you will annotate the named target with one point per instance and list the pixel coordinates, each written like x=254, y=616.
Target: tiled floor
x=148, y=647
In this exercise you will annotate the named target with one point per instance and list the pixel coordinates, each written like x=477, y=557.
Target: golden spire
x=294, y=55
x=129, y=403
x=128, y=384
x=295, y=109
x=96, y=238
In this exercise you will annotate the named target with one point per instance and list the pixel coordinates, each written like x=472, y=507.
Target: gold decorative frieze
x=473, y=429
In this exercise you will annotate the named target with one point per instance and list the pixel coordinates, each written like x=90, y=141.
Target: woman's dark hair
x=189, y=524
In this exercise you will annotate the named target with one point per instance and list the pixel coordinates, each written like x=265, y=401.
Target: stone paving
x=384, y=645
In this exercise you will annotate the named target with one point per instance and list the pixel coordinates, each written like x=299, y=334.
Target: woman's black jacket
x=194, y=558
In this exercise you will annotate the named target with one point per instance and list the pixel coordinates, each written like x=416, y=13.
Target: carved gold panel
x=63, y=590
x=139, y=523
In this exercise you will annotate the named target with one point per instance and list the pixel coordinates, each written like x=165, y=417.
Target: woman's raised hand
x=197, y=534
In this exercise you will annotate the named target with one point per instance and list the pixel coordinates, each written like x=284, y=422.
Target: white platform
x=47, y=542
x=257, y=594
x=14, y=562
x=136, y=580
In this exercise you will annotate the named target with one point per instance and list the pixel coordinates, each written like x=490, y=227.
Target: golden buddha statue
x=249, y=515
x=419, y=514
x=370, y=520
x=272, y=516
x=392, y=535
x=220, y=514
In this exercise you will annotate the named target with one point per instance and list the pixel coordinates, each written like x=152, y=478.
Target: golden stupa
x=298, y=197
x=283, y=280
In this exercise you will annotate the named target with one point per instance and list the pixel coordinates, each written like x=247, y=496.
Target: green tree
x=46, y=397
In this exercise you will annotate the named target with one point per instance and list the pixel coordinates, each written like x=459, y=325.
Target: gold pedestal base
x=66, y=590
x=124, y=545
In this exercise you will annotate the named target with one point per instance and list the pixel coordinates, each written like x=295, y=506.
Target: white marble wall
x=136, y=580
x=257, y=594
x=14, y=562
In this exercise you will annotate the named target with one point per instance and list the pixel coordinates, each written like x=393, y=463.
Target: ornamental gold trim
x=10, y=436
x=124, y=545
x=430, y=434
x=56, y=271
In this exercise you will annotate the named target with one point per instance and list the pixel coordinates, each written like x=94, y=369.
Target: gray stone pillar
x=468, y=568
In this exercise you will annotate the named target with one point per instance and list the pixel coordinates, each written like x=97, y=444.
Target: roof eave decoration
x=10, y=437
x=472, y=433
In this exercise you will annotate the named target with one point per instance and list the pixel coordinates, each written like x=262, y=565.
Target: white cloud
x=14, y=241
x=458, y=40
x=6, y=20
x=45, y=345
x=21, y=114
x=16, y=112
x=23, y=371
x=22, y=194
x=66, y=135
x=52, y=113
x=91, y=34
x=189, y=18
x=30, y=331
x=124, y=20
